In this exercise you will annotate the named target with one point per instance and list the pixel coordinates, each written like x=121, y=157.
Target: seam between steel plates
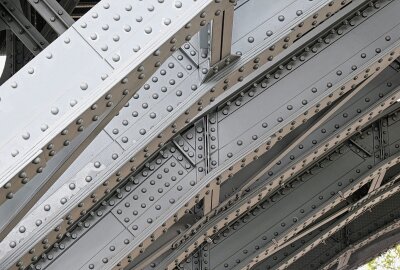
x=98, y=54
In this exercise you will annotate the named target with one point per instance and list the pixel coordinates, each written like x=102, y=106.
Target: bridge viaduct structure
x=198, y=134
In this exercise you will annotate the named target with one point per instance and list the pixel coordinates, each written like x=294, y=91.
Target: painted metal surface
x=204, y=134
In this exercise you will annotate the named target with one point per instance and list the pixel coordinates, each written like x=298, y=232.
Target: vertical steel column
x=221, y=37
x=216, y=42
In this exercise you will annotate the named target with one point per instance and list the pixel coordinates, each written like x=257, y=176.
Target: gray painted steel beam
x=16, y=56
x=321, y=241
x=51, y=134
x=185, y=109
x=342, y=260
x=372, y=246
x=147, y=181
x=54, y=14
x=378, y=108
x=244, y=205
x=13, y=16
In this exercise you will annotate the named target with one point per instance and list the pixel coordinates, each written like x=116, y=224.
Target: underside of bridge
x=199, y=134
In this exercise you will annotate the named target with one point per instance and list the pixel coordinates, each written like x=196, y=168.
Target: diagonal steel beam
x=12, y=16
x=235, y=206
x=96, y=100
x=393, y=226
x=183, y=119
x=213, y=187
x=246, y=60
x=314, y=124
x=54, y=14
x=357, y=210
x=390, y=100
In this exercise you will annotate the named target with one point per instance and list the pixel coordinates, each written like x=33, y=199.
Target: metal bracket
x=216, y=43
x=211, y=200
x=376, y=183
